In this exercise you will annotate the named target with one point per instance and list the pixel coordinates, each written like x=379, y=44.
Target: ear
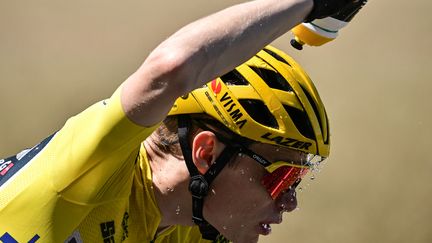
x=205, y=149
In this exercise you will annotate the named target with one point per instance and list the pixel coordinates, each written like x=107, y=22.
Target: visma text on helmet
x=230, y=107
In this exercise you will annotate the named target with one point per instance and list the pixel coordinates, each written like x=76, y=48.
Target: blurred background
x=58, y=57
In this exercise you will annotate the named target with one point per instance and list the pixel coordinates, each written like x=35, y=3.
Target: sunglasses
x=282, y=175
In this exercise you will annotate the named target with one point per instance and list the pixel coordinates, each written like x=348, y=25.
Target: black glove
x=340, y=9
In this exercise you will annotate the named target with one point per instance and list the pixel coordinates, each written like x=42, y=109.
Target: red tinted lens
x=282, y=178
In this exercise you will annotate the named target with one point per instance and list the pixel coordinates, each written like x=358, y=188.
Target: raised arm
x=203, y=50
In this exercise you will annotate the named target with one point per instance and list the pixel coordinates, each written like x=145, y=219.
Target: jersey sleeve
x=95, y=153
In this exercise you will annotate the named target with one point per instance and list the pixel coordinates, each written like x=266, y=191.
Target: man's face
x=239, y=205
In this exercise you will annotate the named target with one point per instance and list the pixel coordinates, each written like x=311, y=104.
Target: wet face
x=239, y=206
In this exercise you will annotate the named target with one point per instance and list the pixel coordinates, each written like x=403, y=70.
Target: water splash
x=315, y=163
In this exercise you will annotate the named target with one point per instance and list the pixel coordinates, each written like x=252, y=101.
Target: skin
x=204, y=50
x=239, y=218
x=194, y=55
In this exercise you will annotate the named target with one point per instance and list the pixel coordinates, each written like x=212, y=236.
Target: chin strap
x=199, y=184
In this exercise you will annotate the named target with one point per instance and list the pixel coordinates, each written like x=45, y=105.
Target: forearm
x=203, y=50
x=218, y=43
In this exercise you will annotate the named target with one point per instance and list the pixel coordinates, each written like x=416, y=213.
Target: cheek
x=240, y=183
x=238, y=193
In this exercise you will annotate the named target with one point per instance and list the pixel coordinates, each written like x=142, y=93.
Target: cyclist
x=223, y=165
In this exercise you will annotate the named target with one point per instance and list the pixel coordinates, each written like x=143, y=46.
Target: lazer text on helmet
x=289, y=142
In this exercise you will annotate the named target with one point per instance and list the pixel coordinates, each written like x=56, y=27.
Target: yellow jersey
x=89, y=182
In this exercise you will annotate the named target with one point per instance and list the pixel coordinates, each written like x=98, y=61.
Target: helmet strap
x=199, y=185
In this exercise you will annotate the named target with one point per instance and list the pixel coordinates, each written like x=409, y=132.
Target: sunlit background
x=58, y=57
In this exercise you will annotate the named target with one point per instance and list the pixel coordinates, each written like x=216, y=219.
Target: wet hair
x=166, y=137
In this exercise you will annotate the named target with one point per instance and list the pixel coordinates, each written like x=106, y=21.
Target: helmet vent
x=259, y=112
x=273, y=79
x=276, y=56
x=234, y=78
x=301, y=121
x=313, y=104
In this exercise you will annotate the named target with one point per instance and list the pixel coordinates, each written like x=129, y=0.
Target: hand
x=326, y=8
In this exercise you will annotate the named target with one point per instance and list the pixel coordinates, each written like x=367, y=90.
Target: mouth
x=264, y=228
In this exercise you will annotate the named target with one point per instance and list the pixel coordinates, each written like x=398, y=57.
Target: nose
x=287, y=201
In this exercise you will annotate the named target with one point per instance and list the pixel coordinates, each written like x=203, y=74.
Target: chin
x=244, y=238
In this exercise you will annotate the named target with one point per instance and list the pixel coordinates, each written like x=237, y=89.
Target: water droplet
x=242, y=172
x=283, y=206
x=213, y=191
x=312, y=177
x=170, y=189
x=178, y=210
x=224, y=227
x=231, y=216
x=242, y=225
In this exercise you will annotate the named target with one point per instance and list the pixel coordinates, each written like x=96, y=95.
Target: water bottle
x=321, y=31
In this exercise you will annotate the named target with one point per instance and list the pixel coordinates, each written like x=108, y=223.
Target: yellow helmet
x=268, y=99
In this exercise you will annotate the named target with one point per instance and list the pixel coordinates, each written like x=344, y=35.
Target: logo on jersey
x=10, y=166
x=125, y=225
x=74, y=238
x=5, y=166
x=23, y=153
x=108, y=231
x=7, y=238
